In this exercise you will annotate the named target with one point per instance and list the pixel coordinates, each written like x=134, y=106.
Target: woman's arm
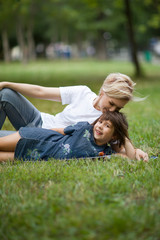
x=35, y=91
x=126, y=150
x=130, y=151
x=133, y=153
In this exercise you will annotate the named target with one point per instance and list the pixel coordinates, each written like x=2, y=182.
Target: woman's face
x=104, y=103
x=103, y=132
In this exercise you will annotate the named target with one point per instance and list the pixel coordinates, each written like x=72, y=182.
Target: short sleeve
x=69, y=94
x=70, y=129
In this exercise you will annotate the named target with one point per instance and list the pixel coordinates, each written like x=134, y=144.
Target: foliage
x=85, y=199
x=62, y=20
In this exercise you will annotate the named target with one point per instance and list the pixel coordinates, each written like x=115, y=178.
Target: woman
x=83, y=104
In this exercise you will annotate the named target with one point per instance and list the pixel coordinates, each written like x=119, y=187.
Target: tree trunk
x=101, y=46
x=131, y=36
x=21, y=42
x=100, y=41
x=6, y=49
x=31, y=44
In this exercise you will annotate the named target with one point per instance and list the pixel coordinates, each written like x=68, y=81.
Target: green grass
x=85, y=200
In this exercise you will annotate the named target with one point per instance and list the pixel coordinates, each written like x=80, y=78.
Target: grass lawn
x=85, y=199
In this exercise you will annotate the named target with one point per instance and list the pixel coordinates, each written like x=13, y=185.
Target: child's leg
x=8, y=143
x=5, y=156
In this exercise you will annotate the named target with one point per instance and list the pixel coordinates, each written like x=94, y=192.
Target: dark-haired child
x=76, y=141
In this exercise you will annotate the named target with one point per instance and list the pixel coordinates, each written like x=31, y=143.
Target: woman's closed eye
x=111, y=103
x=117, y=108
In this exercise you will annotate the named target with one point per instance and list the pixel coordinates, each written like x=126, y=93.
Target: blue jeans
x=19, y=111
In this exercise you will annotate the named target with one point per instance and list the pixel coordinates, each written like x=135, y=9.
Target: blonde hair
x=120, y=86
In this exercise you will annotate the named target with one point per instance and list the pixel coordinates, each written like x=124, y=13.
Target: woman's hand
x=141, y=155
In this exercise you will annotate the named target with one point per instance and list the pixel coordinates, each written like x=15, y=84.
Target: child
x=76, y=141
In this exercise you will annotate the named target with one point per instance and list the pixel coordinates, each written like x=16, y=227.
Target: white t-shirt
x=79, y=108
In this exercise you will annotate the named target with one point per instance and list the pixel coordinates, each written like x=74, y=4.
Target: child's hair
x=120, y=125
x=117, y=85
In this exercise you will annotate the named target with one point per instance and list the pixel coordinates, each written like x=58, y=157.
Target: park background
x=62, y=43
x=51, y=29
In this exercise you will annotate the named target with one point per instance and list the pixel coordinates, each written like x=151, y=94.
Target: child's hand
x=141, y=155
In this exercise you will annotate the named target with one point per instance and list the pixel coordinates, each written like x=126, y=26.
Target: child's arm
x=59, y=130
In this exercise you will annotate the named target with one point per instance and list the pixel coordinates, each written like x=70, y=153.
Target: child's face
x=103, y=132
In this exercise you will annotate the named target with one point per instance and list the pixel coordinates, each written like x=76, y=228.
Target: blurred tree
x=147, y=20
x=25, y=11
x=100, y=22
x=6, y=18
x=131, y=36
x=97, y=20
